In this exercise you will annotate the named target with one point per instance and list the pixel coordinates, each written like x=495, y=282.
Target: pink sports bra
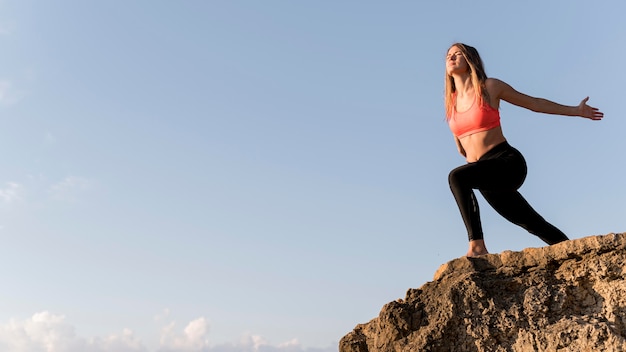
x=475, y=119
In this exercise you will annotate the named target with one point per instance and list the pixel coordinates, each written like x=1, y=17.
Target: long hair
x=477, y=73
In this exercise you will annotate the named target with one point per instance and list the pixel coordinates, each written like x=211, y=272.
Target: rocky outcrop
x=567, y=297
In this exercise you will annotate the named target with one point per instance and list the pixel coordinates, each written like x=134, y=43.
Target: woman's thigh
x=492, y=174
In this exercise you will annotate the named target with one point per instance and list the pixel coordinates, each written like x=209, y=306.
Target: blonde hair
x=477, y=74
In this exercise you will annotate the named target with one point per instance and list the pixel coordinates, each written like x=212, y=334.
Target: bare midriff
x=477, y=144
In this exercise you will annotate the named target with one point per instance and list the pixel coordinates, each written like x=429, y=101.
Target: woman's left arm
x=503, y=91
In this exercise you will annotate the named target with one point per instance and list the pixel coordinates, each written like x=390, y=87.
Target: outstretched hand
x=589, y=112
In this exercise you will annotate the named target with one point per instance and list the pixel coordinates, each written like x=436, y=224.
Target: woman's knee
x=455, y=178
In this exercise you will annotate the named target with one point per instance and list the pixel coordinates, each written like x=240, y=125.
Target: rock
x=567, y=297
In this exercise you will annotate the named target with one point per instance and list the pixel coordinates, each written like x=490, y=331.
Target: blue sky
x=265, y=175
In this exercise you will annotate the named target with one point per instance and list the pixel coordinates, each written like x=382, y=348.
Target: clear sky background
x=264, y=175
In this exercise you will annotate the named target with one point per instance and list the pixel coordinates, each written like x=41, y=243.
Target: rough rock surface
x=567, y=297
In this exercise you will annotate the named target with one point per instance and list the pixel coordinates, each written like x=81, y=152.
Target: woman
x=493, y=167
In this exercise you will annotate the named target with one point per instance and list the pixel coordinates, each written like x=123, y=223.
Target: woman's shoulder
x=491, y=81
x=495, y=86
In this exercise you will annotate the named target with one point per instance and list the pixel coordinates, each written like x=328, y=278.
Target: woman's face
x=455, y=61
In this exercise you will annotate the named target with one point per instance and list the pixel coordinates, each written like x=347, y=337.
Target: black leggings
x=497, y=175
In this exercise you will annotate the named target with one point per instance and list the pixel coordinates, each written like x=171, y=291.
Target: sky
x=265, y=175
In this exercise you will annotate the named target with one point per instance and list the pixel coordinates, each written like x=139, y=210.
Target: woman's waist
x=478, y=144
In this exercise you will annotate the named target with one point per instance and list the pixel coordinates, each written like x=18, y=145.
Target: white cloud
x=124, y=342
x=163, y=315
x=37, y=188
x=11, y=193
x=47, y=332
x=69, y=188
x=193, y=338
x=256, y=343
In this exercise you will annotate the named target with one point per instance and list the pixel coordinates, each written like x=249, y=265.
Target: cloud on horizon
x=47, y=332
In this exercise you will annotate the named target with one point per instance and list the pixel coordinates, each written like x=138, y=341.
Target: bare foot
x=476, y=248
x=475, y=254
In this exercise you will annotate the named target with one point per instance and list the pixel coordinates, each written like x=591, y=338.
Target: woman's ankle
x=476, y=248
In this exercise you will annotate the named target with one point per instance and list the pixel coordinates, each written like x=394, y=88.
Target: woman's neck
x=463, y=85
